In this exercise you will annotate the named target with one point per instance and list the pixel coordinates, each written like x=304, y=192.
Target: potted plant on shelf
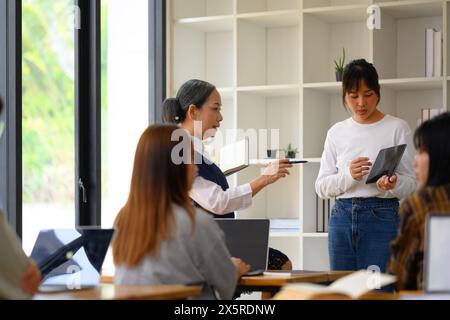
x=340, y=66
x=291, y=152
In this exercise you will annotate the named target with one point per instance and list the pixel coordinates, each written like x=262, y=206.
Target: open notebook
x=352, y=286
x=234, y=157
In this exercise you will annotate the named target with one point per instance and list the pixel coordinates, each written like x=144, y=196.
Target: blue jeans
x=360, y=232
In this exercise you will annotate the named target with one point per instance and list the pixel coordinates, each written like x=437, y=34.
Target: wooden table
x=107, y=291
x=272, y=284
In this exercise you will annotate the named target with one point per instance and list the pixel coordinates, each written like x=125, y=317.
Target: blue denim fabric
x=360, y=232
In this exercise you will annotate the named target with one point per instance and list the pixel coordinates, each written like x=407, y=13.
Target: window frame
x=87, y=104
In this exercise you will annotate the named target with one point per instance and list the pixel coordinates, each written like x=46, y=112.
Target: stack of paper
x=284, y=225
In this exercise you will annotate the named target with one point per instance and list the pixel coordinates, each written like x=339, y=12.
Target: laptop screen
x=247, y=240
x=71, y=257
x=437, y=255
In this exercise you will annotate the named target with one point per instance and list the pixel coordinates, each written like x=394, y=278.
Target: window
x=125, y=93
x=47, y=117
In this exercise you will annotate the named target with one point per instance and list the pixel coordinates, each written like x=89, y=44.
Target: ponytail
x=172, y=112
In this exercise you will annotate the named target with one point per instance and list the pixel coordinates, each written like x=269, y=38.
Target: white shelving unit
x=272, y=61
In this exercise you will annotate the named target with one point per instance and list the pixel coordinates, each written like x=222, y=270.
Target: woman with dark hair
x=160, y=238
x=199, y=102
x=364, y=219
x=431, y=166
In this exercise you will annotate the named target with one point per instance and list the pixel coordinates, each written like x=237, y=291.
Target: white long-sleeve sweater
x=348, y=140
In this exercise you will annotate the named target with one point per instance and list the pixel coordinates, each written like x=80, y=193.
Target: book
x=234, y=157
x=353, y=286
x=429, y=52
x=437, y=50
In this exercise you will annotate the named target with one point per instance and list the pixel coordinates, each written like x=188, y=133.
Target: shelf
x=412, y=83
x=208, y=24
x=288, y=90
x=315, y=235
x=412, y=9
x=339, y=14
x=273, y=19
x=313, y=4
x=326, y=87
x=392, y=84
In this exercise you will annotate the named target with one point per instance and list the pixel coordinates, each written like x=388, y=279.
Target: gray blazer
x=190, y=256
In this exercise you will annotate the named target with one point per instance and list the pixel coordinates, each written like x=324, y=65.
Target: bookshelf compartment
x=399, y=46
x=248, y=6
x=407, y=104
x=270, y=122
x=267, y=117
x=323, y=110
x=315, y=254
x=201, y=8
x=203, y=55
x=315, y=211
x=267, y=55
x=323, y=43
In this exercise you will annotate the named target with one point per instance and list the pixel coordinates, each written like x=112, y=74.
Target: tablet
x=386, y=163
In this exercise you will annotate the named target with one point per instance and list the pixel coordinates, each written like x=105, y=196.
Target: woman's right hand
x=270, y=174
x=241, y=266
x=276, y=170
x=359, y=168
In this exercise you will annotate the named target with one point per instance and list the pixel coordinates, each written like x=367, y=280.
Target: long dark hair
x=157, y=183
x=355, y=72
x=193, y=92
x=433, y=136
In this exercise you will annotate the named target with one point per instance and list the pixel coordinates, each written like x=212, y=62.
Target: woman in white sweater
x=365, y=217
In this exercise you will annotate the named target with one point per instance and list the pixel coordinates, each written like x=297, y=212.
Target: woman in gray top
x=160, y=237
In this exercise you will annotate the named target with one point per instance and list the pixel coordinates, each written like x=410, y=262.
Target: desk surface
x=281, y=279
x=121, y=292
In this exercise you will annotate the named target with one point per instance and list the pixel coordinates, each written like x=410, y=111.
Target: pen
x=297, y=161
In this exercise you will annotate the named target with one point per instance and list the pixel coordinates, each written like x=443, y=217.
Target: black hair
x=432, y=136
x=194, y=92
x=355, y=72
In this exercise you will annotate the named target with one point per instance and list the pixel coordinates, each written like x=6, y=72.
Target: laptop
x=71, y=259
x=248, y=239
x=437, y=256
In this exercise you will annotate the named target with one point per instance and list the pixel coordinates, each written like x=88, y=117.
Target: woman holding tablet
x=364, y=219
